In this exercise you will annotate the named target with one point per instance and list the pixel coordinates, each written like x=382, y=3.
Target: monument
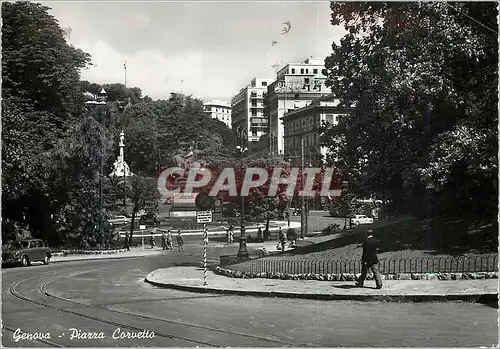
x=121, y=168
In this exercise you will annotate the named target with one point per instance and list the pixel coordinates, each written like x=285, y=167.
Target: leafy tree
x=345, y=206
x=75, y=172
x=423, y=78
x=41, y=102
x=39, y=69
x=157, y=131
x=143, y=195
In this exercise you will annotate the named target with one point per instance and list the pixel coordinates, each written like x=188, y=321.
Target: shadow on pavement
x=352, y=286
x=347, y=286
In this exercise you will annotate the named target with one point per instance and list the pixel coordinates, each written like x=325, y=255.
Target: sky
x=206, y=49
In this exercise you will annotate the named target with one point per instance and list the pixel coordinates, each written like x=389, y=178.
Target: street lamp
x=242, y=251
x=241, y=151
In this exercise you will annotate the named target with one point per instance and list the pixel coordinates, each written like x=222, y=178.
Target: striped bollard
x=205, y=242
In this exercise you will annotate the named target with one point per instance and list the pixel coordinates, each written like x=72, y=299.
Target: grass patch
x=424, y=245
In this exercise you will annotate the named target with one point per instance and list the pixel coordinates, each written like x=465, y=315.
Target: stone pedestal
x=242, y=252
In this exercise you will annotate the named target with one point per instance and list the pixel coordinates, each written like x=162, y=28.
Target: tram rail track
x=16, y=294
x=42, y=290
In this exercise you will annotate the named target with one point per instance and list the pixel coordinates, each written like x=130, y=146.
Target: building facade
x=248, y=112
x=296, y=86
x=303, y=123
x=219, y=110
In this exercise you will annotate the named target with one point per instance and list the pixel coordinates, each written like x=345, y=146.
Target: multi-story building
x=248, y=112
x=219, y=110
x=303, y=123
x=296, y=85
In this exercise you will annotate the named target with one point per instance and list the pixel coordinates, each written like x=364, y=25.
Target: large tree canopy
x=157, y=131
x=40, y=94
x=423, y=78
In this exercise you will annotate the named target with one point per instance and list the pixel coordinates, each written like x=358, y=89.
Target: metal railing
x=485, y=263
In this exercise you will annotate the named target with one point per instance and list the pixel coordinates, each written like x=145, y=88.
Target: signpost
x=204, y=204
x=203, y=217
x=205, y=243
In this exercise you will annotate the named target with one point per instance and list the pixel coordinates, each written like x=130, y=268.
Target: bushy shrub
x=331, y=229
x=291, y=234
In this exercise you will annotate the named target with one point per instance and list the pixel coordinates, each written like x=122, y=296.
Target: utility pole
x=101, y=220
x=303, y=223
x=125, y=70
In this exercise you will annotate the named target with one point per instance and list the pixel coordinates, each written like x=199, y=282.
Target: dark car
x=25, y=252
x=149, y=219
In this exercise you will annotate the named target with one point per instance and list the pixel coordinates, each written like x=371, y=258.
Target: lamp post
x=242, y=252
x=242, y=215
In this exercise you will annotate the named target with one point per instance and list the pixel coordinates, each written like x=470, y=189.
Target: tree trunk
x=267, y=226
x=132, y=227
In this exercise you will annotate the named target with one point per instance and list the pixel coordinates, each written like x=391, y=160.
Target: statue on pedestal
x=121, y=168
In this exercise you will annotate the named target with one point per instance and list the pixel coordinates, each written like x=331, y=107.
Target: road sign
x=204, y=216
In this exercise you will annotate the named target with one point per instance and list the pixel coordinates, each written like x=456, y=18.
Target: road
x=104, y=296
x=318, y=220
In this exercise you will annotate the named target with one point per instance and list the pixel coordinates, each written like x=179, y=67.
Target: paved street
x=318, y=220
x=56, y=297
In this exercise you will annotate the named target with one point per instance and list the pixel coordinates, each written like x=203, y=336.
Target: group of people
x=166, y=240
x=230, y=234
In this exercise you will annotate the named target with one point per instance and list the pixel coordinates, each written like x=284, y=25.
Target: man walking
x=369, y=260
x=180, y=241
x=169, y=240
x=127, y=237
x=231, y=234
x=282, y=239
x=152, y=238
x=164, y=240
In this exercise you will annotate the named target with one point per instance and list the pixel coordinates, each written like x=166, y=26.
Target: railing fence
x=486, y=263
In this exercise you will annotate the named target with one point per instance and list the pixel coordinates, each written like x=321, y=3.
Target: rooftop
x=217, y=103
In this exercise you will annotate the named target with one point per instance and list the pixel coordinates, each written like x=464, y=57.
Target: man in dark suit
x=369, y=260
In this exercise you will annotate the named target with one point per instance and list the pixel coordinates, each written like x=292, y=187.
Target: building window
x=302, y=71
x=264, y=83
x=330, y=118
x=315, y=71
x=254, y=112
x=293, y=70
x=307, y=71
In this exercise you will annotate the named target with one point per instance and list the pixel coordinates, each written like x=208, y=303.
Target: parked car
x=361, y=219
x=25, y=252
x=119, y=220
x=149, y=219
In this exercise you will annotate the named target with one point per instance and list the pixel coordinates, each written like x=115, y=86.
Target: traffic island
x=191, y=279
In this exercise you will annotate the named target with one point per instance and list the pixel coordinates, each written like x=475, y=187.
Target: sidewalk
x=133, y=253
x=191, y=279
x=237, y=230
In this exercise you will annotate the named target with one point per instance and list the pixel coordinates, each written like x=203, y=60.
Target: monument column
x=122, y=161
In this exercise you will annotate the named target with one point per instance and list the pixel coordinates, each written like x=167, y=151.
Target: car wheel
x=25, y=261
x=46, y=260
x=356, y=223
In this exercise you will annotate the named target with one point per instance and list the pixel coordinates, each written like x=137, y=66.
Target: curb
x=479, y=298
x=97, y=259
